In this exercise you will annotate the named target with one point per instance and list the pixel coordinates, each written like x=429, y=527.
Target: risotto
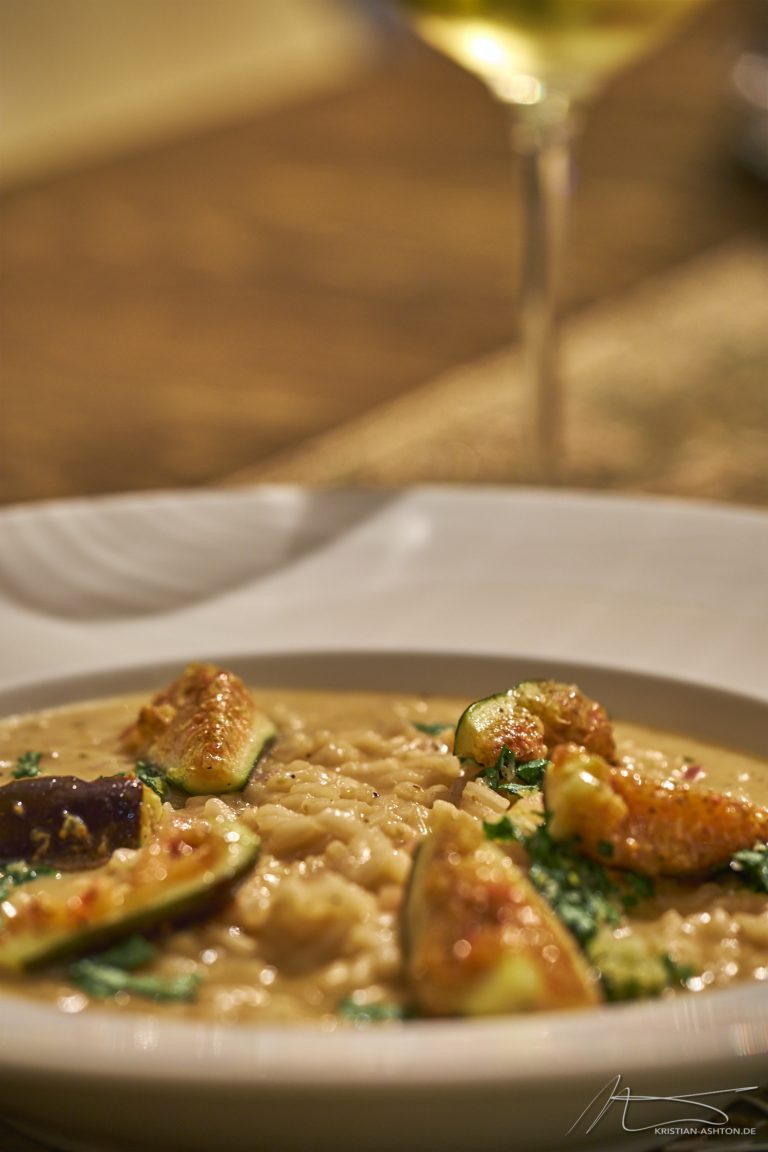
x=329, y=921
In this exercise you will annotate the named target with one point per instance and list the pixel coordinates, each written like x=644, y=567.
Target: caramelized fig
x=71, y=823
x=204, y=731
x=652, y=825
x=530, y=720
x=478, y=937
x=189, y=860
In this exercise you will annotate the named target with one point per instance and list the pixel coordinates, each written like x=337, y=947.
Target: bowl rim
x=629, y=694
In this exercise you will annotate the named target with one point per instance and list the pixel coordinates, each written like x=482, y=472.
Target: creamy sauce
x=339, y=803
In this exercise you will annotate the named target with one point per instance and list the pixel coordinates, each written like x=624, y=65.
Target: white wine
x=542, y=57
x=522, y=47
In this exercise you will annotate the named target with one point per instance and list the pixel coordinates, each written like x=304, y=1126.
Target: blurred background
x=250, y=240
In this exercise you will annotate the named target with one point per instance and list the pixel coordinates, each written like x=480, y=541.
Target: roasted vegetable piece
x=190, y=860
x=204, y=731
x=568, y=715
x=650, y=825
x=631, y=968
x=530, y=720
x=488, y=727
x=478, y=938
x=73, y=823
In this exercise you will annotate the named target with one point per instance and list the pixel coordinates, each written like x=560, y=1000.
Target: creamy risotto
x=346, y=787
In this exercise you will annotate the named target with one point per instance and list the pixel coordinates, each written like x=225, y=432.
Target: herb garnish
x=128, y=954
x=678, y=973
x=626, y=975
x=581, y=891
x=532, y=771
x=375, y=1013
x=587, y=897
x=19, y=872
x=751, y=866
x=151, y=775
x=28, y=764
x=113, y=971
x=431, y=729
x=502, y=829
x=509, y=777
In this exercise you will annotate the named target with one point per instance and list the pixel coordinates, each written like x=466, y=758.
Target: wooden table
x=179, y=314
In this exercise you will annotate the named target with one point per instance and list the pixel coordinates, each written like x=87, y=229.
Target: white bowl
x=107, y=1083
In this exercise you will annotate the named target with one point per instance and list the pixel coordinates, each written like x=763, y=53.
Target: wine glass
x=544, y=59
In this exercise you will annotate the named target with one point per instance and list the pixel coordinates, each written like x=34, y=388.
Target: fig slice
x=67, y=822
x=478, y=937
x=204, y=731
x=190, y=860
x=657, y=826
x=530, y=720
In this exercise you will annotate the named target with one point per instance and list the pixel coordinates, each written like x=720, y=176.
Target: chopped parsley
x=587, y=898
x=751, y=866
x=114, y=971
x=640, y=974
x=508, y=777
x=376, y=1013
x=431, y=729
x=153, y=776
x=132, y=952
x=102, y=981
x=581, y=891
x=636, y=887
x=150, y=775
x=19, y=872
x=28, y=764
x=677, y=973
x=532, y=771
x=502, y=829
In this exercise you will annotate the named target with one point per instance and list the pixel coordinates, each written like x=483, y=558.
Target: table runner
x=666, y=392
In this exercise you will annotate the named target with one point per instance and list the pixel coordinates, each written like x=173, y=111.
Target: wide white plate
x=654, y=585
x=456, y=591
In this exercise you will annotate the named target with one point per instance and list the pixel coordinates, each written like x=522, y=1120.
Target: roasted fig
x=653, y=825
x=190, y=859
x=478, y=938
x=71, y=823
x=529, y=721
x=204, y=731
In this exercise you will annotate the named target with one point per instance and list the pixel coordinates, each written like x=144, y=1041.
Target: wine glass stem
x=544, y=148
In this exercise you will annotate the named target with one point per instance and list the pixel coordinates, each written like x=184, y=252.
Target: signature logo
x=694, y=1110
